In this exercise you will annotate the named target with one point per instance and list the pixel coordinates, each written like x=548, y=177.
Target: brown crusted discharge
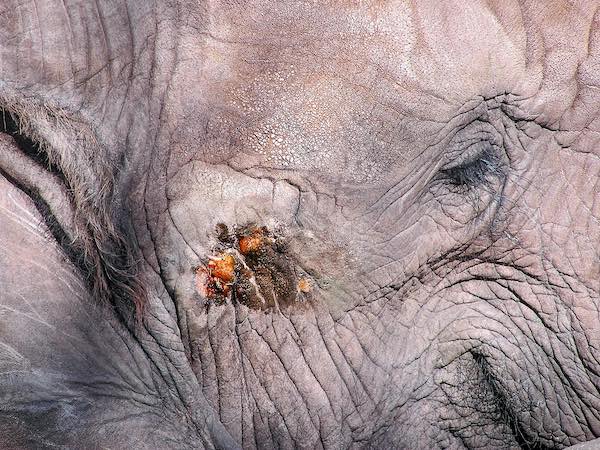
x=261, y=275
x=252, y=242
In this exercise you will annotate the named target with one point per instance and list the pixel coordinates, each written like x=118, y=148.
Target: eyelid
x=468, y=156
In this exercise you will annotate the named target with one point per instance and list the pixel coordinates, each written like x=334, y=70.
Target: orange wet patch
x=214, y=280
x=304, y=285
x=222, y=268
x=253, y=242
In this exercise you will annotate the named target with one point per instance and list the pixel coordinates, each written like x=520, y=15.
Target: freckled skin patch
x=223, y=234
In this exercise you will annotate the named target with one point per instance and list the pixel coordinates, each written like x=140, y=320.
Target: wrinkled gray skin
x=432, y=168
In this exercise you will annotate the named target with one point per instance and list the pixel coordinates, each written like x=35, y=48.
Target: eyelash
x=475, y=173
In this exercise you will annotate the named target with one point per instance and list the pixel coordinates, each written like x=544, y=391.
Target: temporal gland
x=252, y=267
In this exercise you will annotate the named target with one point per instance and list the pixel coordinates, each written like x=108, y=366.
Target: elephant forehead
x=318, y=122
x=346, y=91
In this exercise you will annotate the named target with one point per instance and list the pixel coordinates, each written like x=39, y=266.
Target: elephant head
x=281, y=224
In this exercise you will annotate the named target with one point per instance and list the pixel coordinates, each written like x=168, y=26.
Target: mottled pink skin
x=438, y=316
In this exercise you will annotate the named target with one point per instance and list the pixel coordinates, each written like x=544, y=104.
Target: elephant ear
x=56, y=348
x=82, y=211
x=66, y=72
x=71, y=373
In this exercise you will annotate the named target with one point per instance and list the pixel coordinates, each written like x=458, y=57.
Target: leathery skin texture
x=267, y=224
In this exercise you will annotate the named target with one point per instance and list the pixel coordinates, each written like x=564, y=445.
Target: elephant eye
x=478, y=168
x=472, y=180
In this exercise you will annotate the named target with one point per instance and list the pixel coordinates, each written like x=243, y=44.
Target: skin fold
x=285, y=224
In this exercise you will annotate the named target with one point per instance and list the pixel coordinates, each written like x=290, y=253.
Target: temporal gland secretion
x=252, y=267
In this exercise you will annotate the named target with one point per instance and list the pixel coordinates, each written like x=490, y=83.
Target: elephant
x=300, y=224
